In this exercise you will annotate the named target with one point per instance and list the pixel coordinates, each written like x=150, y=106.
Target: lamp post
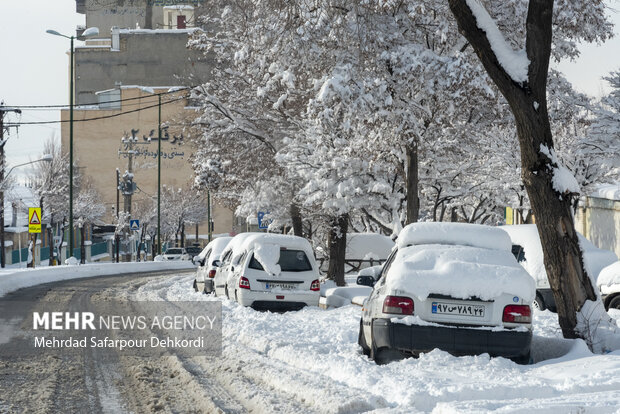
x=91, y=31
x=45, y=158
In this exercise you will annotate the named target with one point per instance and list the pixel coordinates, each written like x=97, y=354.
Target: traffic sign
x=134, y=225
x=34, y=220
x=262, y=223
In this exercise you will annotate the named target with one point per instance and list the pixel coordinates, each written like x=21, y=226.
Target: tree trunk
x=82, y=245
x=183, y=234
x=562, y=256
x=295, y=213
x=337, y=241
x=413, y=200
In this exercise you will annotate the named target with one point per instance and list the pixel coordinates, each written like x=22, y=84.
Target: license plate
x=279, y=285
x=458, y=309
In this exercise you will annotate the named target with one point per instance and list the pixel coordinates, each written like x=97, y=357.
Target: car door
x=221, y=274
x=374, y=304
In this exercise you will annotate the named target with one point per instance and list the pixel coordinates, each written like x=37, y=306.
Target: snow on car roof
x=366, y=246
x=458, y=271
x=465, y=234
x=216, y=246
x=610, y=275
x=290, y=242
x=526, y=236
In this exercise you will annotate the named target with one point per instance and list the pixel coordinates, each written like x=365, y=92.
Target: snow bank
x=465, y=234
x=458, y=271
x=341, y=296
x=13, y=280
x=607, y=191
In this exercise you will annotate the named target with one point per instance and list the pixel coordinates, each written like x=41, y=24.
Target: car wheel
x=539, y=303
x=361, y=340
x=383, y=356
x=523, y=359
x=614, y=303
x=226, y=292
x=195, y=286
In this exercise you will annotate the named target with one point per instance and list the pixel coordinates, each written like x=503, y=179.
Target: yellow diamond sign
x=34, y=220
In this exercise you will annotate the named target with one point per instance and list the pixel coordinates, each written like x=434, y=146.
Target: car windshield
x=290, y=261
x=193, y=250
x=174, y=251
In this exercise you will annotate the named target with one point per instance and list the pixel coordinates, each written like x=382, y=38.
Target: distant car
x=193, y=251
x=271, y=272
x=175, y=253
x=207, y=262
x=527, y=249
x=609, y=284
x=451, y=286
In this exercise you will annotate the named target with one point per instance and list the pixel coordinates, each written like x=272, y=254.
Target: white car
x=272, y=272
x=207, y=261
x=229, y=258
x=609, y=284
x=175, y=253
x=527, y=248
x=452, y=286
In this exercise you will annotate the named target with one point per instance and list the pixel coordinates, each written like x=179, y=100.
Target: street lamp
x=91, y=31
x=45, y=158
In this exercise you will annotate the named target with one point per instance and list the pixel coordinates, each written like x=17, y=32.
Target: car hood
x=458, y=271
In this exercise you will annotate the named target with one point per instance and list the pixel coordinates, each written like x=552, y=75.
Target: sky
x=34, y=68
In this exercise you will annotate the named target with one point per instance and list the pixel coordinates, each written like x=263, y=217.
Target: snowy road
x=301, y=362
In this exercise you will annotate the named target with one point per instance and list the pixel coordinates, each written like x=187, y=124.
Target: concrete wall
x=599, y=221
x=151, y=58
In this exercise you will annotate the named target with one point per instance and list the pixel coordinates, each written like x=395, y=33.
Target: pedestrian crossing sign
x=134, y=225
x=34, y=220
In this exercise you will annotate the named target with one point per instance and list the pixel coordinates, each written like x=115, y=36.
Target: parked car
x=175, y=253
x=527, y=249
x=193, y=251
x=452, y=286
x=273, y=272
x=229, y=258
x=207, y=261
x=609, y=284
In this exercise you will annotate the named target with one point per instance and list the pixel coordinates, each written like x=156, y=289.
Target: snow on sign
x=134, y=225
x=34, y=220
x=262, y=223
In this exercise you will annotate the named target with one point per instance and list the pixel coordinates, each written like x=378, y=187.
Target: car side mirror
x=366, y=281
x=217, y=263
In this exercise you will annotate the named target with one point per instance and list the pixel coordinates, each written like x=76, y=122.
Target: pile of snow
x=367, y=246
x=72, y=261
x=311, y=358
x=459, y=272
x=342, y=296
x=463, y=234
x=12, y=280
x=268, y=256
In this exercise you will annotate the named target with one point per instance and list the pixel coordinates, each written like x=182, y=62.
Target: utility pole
x=117, y=239
x=3, y=110
x=128, y=186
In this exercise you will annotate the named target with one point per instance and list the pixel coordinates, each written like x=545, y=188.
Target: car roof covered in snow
x=458, y=271
x=526, y=236
x=290, y=242
x=216, y=246
x=463, y=234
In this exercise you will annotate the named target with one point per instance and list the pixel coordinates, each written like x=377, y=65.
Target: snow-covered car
x=175, y=253
x=193, y=251
x=527, y=249
x=452, y=286
x=207, y=262
x=229, y=258
x=609, y=284
x=274, y=272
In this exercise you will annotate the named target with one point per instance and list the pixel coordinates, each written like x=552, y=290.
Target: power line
x=93, y=119
x=98, y=103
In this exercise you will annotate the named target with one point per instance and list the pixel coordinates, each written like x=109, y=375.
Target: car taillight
x=517, y=314
x=211, y=273
x=315, y=286
x=398, y=304
x=244, y=283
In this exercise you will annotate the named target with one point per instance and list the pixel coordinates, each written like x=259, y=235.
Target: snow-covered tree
x=87, y=209
x=517, y=57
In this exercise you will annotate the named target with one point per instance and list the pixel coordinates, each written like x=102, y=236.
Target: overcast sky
x=34, y=68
